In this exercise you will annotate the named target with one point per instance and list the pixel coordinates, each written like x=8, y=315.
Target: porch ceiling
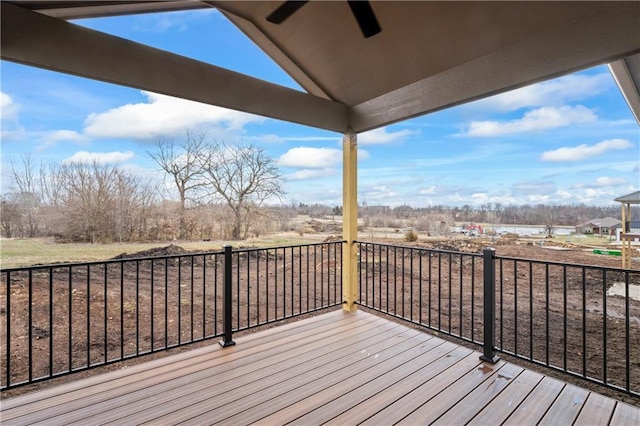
x=428, y=56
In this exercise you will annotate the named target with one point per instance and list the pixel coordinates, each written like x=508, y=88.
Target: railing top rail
x=572, y=265
x=420, y=248
x=109, y=261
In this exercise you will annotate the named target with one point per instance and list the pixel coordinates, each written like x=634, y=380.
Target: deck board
x=336, y=368
x=501, y=407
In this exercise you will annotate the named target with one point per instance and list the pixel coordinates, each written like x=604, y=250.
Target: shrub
x=410, y=236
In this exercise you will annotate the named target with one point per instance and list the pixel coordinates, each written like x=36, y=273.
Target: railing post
x=228, y=300
x=489, y=289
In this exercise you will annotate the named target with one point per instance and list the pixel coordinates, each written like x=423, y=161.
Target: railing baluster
x=627, y=335
x=248, y=290
x=88, y=315
x=430, y=279
x=515, y=307
x=204, y=296
x=238, y=294
x=137, y=307
x=450, y=296
x=8, y=358
x=179, y=303
x=501, y=305
x=258, y=322
x=106, y=304
x=51, y=322
x=440, y=290
x=460, y=290
x=530, y=310
x=546, y=310
x=420, y=253
x=122, y=310
x=152, y=304
x=584, y=323
x=192, y=299
x=30, y=325
x=166, y=303
x=266, y=284
x=564, y=322
x=69, y=317
x=604, y=326
x=473, y=301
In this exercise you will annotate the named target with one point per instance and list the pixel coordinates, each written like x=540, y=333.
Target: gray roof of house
x=633, y=198
x=605, y=222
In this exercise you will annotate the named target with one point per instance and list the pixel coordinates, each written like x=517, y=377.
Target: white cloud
x=382, y=137
x=271, y=138
x=10, y=128
x=8, y=108
x=99, y=157
x=378, y=194
x=609, y=181
x=537, y=198
x=584, y=151
x=559, y=91
x=535, y=187
x=52, y=138
x=304, y=157
x=539, y=119
x=312, y=173
x=162, y=115
x=428, y=191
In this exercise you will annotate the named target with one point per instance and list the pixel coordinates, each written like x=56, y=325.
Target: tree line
x=221, y=190
x=214, y=191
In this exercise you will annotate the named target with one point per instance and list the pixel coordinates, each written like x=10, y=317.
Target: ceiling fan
x=361, y=10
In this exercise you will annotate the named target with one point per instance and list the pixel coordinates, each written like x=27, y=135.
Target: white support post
x=350, y=221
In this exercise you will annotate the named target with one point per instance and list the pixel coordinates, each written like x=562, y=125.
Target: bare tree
x=245, y=177
x=182, y=162
x=26, y=196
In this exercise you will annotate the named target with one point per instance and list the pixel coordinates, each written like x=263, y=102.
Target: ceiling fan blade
x=285, y=10
x=366, y=18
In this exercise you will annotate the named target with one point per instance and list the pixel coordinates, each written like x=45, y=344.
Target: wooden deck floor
x=335, y=368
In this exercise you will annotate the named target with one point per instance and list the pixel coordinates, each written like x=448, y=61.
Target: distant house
x=634, y=228
x=601, y=226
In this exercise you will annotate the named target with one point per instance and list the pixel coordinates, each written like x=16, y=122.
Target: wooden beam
x=350, y=221
x=91, y=9
x=628, y=86
x=277, y=54
x=600, y=39
x=34, y=39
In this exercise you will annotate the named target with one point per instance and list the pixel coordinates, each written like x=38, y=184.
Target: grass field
x=17, y=252
x=588, y=240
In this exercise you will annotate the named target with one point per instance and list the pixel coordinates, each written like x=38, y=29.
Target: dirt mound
x=465, y=246
x=169, y=250
x=332, y=239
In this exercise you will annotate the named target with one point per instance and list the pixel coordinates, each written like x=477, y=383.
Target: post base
x=225, y=344
x=491, y=360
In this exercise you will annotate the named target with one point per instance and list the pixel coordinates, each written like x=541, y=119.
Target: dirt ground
x=177, y=301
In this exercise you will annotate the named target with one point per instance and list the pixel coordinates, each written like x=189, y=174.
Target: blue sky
x=568, y=140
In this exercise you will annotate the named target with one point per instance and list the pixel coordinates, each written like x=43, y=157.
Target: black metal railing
x=438, y=289
x=62, y=318
x=569, y=318
x=561, y=316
